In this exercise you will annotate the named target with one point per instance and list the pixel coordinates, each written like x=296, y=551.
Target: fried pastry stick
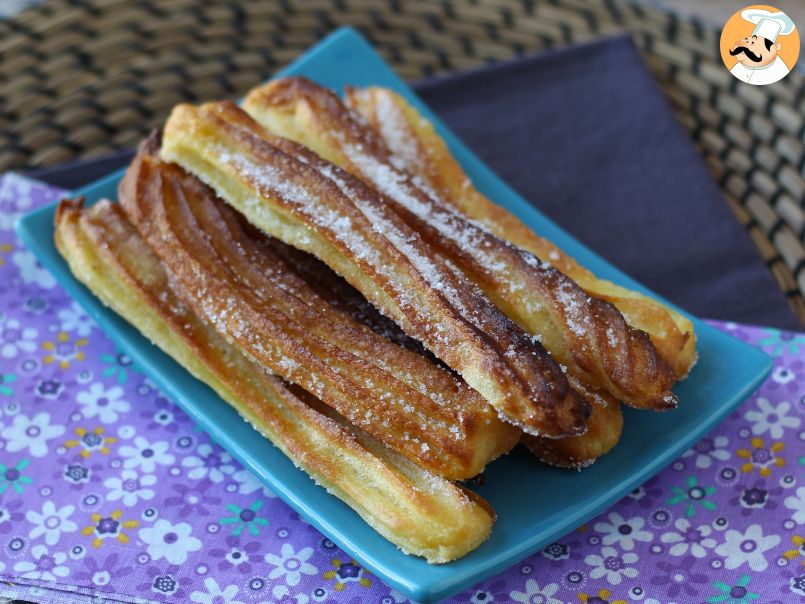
x=258, y=303
x=604, y=426
x=418, y=149
x=338, y=293
x=586, y=334
x=604, y=429
x=419, y=512
x=288, y=192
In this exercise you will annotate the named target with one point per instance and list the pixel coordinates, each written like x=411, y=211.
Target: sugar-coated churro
x=586, y=334
x=419, y=512
x=292, y=194
x=241, y=285
x=419, y=150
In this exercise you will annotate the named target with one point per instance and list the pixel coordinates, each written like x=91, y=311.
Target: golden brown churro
x=418, y=149
x=258, y=303
x=290, y=193
x=331, y=272
x=604, y=430
x=419, y=512
x=584, y=333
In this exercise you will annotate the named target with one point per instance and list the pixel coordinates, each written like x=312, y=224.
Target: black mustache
x=752, y=56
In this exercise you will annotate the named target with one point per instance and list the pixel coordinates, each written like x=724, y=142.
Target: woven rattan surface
x=83, y=77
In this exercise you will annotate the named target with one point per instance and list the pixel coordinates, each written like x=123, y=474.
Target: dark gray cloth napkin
x=587, y=136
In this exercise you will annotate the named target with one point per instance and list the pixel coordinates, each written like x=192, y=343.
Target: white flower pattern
x=796, y=503
x=748, y=548
x=214, y=594
x=611, y=565
x=75, y=320
x=688, y=539
x=211, y=462
x=45, y=566
x=623, y=532
x=534, y=594
x=709, y=449
x=130, y=487
x=16, y=339
x=291, y=565
x=31, y=271
x=173, y=542
x=14, y=206
x=31, y=433
x=51, y=522
x=104, y=403
x=146, y=455
x=248, y=484
x=771, y=418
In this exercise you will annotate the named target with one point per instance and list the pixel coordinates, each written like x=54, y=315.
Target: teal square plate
x=535, y=504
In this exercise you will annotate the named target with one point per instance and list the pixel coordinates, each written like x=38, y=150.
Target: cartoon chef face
x=755, y=51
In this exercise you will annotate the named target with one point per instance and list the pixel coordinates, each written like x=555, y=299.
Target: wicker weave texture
x=83, y=77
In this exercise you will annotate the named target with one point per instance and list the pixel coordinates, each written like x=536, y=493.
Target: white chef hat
x=769, y=25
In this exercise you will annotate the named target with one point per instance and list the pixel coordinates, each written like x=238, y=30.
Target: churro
x=419, y=512
x=288, y=192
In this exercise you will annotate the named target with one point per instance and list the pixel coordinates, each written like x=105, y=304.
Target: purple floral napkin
x=108, y=492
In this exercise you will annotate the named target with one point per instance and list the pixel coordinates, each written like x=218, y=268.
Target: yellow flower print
x=5, y=248
x=347, y=572
x=90, y=442
x=108, y=527
x=602, y=597
x=761, y=457
x=63, y=351
x=799, y=552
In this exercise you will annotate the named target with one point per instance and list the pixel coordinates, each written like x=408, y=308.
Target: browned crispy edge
x=547, y=407
x=428, y=158
x=232, y=280
x=596, y=342
x=604, y=430
x=419, y=512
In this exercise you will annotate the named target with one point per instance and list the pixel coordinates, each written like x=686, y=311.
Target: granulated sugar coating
x=394, y=394
x=352, y=229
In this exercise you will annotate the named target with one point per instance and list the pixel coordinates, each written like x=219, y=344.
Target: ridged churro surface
x=239, y=284
x=331, y=272
x=289, y=192
x=419, y=512
x=584, y=333
x=418, y=149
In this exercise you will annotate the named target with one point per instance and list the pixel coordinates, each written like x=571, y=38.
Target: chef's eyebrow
x=754, y=37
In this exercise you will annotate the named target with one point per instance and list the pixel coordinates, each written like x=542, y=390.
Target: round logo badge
x=759, y=45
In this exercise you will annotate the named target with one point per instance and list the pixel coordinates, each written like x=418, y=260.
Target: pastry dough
x=604, y=430
x=586, y=334
x=419, y=512
x=290, y=193
x=236, y=283
x=419, y=150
